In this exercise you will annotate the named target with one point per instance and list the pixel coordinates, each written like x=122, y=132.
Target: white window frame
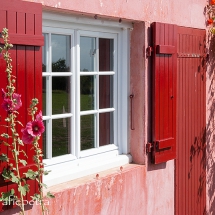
x=81, y=163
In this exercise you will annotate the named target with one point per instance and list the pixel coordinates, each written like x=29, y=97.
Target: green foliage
x=23, y=162
x=5, y=135
x=50, y=195
x=14, y=178
x=6, y=174
x=7, y=197
x=12, y=172
x=23, y=189
x=36, y=197
x=31, y=174
x=3, y=157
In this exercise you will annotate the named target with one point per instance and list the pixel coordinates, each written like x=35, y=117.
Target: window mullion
x=72, y=97
x=49, y=102
x=77, y=95
x=97, y=95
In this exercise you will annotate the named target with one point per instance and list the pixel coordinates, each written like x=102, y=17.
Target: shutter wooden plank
x=11, y=21
x=3, y=22
x=30, y=24
x=164, y=92
x=21, y=26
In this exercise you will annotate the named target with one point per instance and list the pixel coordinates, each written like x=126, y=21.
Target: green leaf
x=50, y=195
x=7, y=197
x=5, y=135
x=46, y=172
x=20, y=142
x=23, y=162
x=6, y=174
x=14, y=178
x=44, y=185
x=23, y=189
x=31, y=174
x=36, y=197
x=3, y=157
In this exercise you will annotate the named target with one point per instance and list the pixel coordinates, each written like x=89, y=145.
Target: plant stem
x=12, y=117
x=40, y=172
x=15, y=155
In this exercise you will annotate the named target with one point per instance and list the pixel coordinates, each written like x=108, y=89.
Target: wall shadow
x=210, y=128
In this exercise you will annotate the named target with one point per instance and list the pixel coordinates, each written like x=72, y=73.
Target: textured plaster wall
x=183, y=12
x=118, y=191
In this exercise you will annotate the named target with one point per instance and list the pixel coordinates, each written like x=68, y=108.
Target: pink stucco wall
x=183, y=12
x=119, y=191
x=143, y=189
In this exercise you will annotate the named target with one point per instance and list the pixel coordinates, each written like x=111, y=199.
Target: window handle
x=131, y=103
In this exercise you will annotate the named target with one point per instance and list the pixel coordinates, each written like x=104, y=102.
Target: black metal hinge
x=149, y=51
x=149, y=147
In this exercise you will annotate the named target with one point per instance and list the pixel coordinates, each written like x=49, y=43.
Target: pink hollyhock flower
x=4, y=95
x=7, y=105
x=38, y=128
x=26, y=137
x=39, y=116
x=17, y=103
x=35, y=128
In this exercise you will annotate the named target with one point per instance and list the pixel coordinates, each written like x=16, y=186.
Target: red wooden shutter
x=164, y=92
x=24, y=22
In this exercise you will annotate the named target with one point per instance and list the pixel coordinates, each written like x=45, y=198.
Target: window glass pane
x=44, y=96
x=105, y=129
x=87, y=132
x=61, y=53
x=105, y=91
x=45, y=53
x=60, y=95
x=87, y=54
x=87, y=92
x=60, y=136
x=106, y=51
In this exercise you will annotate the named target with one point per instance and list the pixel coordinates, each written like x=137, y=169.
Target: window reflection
x=87, y=132
x=60, y=95
x=87, y=53
x=60, y=136
x=87, y=92
x=106, y=54
x=60, y=53
x=105, y=129
x=105, y=91
x=45, y=53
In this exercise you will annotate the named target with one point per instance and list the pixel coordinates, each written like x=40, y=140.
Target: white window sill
x=67, y=171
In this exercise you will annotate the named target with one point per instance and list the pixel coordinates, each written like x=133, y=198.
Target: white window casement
x=85, y=95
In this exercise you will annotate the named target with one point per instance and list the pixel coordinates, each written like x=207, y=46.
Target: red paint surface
x=191, y=158
x=21, y=19
x=164, y=92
